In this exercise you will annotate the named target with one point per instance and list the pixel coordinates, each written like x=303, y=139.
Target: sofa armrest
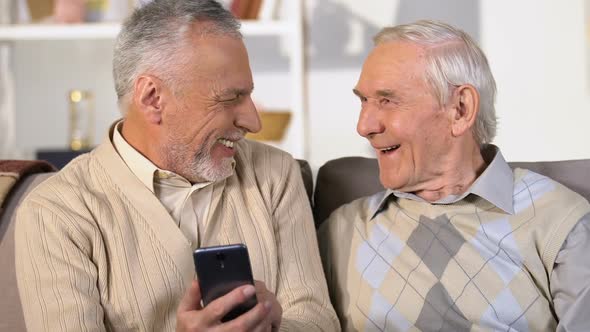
x=11, y=316
x=307, y=176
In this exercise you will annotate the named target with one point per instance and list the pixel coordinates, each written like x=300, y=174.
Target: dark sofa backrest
x=343, y=180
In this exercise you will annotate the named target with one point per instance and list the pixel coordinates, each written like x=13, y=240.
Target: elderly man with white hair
x=458, y=241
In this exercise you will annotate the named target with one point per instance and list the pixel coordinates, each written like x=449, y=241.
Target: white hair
x=153, y=37
x=452, y=59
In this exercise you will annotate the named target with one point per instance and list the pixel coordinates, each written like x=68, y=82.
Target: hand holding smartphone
x=221, y=269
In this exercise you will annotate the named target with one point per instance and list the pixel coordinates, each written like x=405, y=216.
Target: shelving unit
x=288, y=28
x=32, y=32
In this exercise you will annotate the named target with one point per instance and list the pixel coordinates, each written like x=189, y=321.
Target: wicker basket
x=274, y=126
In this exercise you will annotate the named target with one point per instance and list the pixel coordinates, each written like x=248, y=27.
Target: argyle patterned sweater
x=466, y=266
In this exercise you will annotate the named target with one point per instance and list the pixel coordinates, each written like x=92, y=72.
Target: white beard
x=208, y=171
x=201, y=166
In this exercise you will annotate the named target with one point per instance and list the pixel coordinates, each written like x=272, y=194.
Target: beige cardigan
x=96, y=250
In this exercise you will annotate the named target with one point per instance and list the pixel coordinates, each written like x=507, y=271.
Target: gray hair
x=452, y=59
x=153, y=38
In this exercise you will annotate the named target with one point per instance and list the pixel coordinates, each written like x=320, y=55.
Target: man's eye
x=362, y=99
x=384, y=101
x=231, y=99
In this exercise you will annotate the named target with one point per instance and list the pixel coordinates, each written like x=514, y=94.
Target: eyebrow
x=236, y=91
x=357, y=92
x=381, y=93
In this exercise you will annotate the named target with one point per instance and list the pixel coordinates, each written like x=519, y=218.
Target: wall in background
x=44, y=73
x=537, y=50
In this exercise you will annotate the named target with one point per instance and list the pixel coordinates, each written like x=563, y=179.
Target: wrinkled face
x=400, y=116
x=211, y=112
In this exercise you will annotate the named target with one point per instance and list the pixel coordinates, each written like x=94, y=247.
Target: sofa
x=338, y=182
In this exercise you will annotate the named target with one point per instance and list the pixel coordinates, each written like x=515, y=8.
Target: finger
x=191, y=299
x=276, y=313
x=224, y=304
x=261, y=291
x=260, y=286
x=263, y=295
x=257, y=319
x=266, y=325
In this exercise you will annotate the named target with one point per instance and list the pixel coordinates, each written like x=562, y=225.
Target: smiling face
x=401, y=118
x=210, y=112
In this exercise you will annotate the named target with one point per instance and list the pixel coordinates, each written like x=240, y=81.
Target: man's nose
x=369, y=122
x=247, y=117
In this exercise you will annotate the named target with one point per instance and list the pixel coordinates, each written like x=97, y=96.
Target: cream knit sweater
x=96, y=250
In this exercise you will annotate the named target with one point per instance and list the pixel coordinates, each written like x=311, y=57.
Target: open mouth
x=389, y=149
x=227, y=143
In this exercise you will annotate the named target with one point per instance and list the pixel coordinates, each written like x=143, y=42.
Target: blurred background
x=306, y=58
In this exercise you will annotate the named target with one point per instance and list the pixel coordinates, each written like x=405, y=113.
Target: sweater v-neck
x=146, y=203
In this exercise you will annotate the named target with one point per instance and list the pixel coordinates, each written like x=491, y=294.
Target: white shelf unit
x=32, y=32
x=290, y=27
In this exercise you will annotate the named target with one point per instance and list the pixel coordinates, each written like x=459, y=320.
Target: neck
x=138, y=135
x=457, y=174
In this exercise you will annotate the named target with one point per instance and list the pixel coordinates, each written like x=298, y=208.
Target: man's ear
x=465, y=106
x=149, y=98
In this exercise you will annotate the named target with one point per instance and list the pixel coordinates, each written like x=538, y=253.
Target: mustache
x=234, y=135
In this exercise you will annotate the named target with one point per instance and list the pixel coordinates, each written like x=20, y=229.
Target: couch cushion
x=574, y=174
x=11, y=316
x=343, y=180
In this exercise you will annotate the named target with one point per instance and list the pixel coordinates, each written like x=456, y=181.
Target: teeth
x=389, y=148
x=227, y=143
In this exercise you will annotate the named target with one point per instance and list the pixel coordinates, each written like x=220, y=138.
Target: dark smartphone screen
x=220, y=270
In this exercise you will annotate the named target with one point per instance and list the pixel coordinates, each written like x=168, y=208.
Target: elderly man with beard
x=459, y=241
x=106, y=244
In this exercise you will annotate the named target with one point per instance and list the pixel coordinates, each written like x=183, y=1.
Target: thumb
x=192, y=298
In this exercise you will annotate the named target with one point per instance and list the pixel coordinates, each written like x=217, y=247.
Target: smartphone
x=220, y=270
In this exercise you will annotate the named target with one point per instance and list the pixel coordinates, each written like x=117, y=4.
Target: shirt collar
x=495, y=185
x=144, y=169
